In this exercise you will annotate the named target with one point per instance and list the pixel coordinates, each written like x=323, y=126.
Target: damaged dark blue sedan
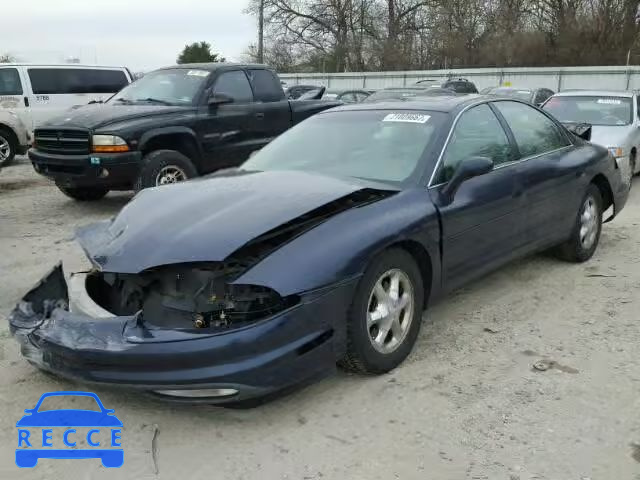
x=325, y=248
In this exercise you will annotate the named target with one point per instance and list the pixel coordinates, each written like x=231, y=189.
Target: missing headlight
x=186, y=296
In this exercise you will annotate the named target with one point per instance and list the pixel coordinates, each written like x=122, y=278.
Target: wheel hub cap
x=390, y=311
x=588, y=223
x=170, y=174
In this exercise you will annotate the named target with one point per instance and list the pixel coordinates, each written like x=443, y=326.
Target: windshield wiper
x=124, y=100
x=153, y=100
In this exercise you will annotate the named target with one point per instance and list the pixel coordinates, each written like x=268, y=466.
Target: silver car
x=613, y=116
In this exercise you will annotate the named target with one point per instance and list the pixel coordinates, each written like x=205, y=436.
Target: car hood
x=611, y=136
x=69, y=418
x=208, y=219
x=101, y=115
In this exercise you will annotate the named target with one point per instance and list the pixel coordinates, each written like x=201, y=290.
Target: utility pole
x=261, y=33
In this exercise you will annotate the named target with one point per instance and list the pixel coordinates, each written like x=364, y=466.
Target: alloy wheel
x=390, y=310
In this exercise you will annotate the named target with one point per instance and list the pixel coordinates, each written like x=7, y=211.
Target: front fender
x=342, y=247
x=158, y=132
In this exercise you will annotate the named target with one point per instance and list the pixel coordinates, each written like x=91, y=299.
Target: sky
x=139, y=34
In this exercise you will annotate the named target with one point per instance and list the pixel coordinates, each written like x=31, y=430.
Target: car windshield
x=376, y=145
x=171, y=87
x=520, y=94
x=595, y=110
x=69, y=402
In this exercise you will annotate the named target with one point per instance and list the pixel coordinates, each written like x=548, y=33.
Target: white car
x=614, y=117
x=35, y=93
x=14, y=137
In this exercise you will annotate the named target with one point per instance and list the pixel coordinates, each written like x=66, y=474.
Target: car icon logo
x=36, y=437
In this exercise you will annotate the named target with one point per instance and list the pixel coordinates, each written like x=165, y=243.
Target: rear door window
x=65, y=81
x=235, y=85
x=266, y=86
x=10, y=82
x=535, y=133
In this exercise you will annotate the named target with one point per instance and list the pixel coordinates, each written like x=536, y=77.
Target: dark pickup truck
x=171, y=125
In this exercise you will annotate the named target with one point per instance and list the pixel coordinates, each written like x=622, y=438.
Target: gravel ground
x=467, y=404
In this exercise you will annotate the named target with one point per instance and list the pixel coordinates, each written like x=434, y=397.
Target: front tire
x=84, y=194
x=162, y=167
x=586, y=232
x=8, y=147
x=385, y=316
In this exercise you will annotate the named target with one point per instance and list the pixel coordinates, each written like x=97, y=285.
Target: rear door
x=271, y=114
x=13, y=94
x=482, y=228
x=551, y=173
x=55, y=90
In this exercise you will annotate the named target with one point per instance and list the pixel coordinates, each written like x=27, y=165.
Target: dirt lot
x=466, y=405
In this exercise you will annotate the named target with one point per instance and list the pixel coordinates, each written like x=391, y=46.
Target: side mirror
x=582, y=130
x=469, y=168
x=216, y=99
x=28, y=410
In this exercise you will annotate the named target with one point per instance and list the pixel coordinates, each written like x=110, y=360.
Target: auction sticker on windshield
x=198, y=73
x=406, y=117
x=609, y=101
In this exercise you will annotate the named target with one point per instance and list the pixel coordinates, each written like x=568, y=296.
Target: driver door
x=223, y=129
x=482, y=227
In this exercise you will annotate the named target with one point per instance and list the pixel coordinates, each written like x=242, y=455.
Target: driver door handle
x=260, y=115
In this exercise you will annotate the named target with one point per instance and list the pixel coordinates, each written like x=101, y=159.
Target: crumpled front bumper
x=272, y=354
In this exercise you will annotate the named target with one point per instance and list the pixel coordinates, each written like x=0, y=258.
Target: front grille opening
x=186, y=297
x=62, y=141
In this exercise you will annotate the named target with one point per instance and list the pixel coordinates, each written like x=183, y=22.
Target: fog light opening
x=104, y=173
x=204, y=393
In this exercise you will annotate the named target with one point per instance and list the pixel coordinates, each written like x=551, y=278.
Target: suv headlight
x=108, y=144
x=617, y=152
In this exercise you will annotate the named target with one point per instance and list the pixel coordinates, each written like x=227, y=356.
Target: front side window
x=535, y=133
x=478, y=133
x=235, y=85
x=65, y=81
x=10, y=82
x=594, y=110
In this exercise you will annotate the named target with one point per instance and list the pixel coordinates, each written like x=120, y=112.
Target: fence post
x=628, y=77
x=404, y=80
x=559, y=80
x=364, y=80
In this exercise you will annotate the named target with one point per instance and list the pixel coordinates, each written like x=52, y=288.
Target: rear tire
x=8, y=147
x=162, y=167
x=84, y=194
x=377, y=309
x=586, y=232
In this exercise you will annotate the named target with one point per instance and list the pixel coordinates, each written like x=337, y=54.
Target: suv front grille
x=62, y=141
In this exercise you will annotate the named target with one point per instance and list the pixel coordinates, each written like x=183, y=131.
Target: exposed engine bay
x=185, y=296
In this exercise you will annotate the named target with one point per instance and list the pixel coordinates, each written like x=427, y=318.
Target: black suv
x=171, y=125
x=458, y=85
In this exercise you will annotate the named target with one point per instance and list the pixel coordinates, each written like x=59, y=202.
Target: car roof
x=595, y=93
x=436, y=104
x=212, y=67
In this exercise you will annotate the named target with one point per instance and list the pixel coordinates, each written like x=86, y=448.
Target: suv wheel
x=163, y=167
x=8, y=147
x=84, y=194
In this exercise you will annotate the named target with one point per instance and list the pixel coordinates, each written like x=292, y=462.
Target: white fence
x=555, y=78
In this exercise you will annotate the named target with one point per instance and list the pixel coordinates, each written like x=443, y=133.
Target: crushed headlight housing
x=186, y=296
x=108, y=144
